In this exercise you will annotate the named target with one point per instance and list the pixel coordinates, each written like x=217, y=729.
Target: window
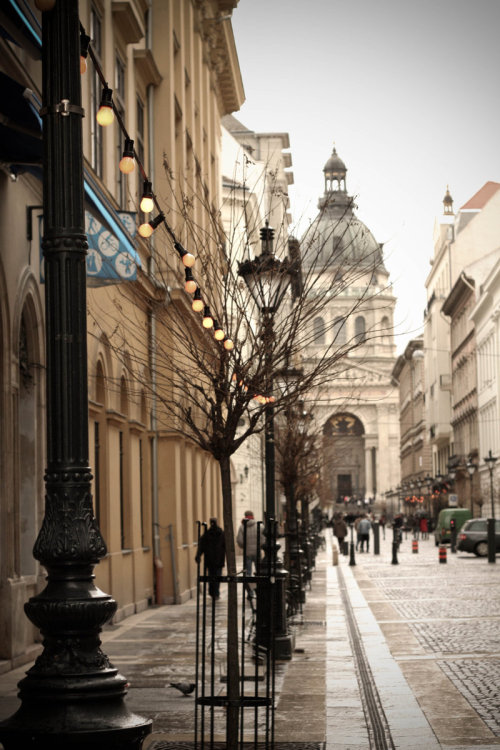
x=95, y=95
x=319, y=331
x=339, y=333
x=360, y=329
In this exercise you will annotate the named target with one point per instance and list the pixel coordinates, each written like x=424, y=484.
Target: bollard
x=414, y=546
x=442, y=554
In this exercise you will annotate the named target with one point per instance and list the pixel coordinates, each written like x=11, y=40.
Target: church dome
x=337, y=236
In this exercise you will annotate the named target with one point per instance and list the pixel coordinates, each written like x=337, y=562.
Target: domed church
x=357, y=410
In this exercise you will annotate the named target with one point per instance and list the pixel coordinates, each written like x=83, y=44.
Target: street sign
x=452, y=501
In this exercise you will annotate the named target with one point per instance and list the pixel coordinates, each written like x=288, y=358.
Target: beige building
x=408, y=375
x=357, y=410
x=174, y=74
x=469, y=237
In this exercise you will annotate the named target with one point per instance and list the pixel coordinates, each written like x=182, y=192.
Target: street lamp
x=72, y=696
x=490, y=461
x=471, y=468
x=267, y=279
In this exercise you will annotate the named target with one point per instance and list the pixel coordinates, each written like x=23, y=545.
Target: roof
x=233, y=125
x=481, y=198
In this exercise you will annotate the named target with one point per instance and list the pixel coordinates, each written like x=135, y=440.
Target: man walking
x=364, y=533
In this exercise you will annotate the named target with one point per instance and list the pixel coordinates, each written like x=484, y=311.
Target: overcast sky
x=408, y=92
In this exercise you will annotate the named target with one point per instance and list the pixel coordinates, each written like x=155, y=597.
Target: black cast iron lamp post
x=72, y=697
x=267, y=279
x=490, y=461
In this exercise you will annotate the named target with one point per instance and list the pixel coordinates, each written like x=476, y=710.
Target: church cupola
x=335, y=171
x=448, y=203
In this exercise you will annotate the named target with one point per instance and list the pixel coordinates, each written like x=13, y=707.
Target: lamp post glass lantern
x=471, y=468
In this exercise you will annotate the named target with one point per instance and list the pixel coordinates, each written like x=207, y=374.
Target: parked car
x=442, y=532
x=474, y=537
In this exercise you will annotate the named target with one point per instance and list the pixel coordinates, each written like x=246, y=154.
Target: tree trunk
x=233, y=670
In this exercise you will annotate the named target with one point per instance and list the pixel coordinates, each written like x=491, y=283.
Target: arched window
x=339, y=332
x=385, y=330
x=319, y=331
x=360, y=329
x=123, y=464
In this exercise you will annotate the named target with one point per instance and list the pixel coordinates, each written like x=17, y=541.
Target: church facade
x=356, y=407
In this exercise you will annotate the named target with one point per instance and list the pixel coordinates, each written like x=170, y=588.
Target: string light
x=208, y=321
x=147, y=203
x=190, y=286
x=147, y=229
x=105, y=115
x=127, y=163
x=187, y=259
x=84, y=51
x=218, y=332
x=198, y=303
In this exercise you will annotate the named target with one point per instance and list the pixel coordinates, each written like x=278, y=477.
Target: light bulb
x=127, y=163
x=198, y=304
x=45, y=4
x=145, y=230
x=147, y=202
x=105, y=115
x=228, y=345
x=190, y=286
x=208, y=321
x=218, y=332
x=83, y=64
x=188, y=260
x=84, y=51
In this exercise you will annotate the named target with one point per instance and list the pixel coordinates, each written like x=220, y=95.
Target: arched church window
x=360, y=329
x=385, y=330
x=339, y=332
x=319, y=331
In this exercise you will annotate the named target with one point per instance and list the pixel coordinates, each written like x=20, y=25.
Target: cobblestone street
x=386, y=656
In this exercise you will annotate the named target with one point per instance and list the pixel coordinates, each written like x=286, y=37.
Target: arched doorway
x=344, y=459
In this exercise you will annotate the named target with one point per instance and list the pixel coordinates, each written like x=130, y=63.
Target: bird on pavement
x=186, y=688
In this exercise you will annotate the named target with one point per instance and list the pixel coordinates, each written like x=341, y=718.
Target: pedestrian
x=381, y=522
x=212, y=545
x=248, y=541
x=356, y=528
x=364, y=533
x=340, y=531
x=424, y=528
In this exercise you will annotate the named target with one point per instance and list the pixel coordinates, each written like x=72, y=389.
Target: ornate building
x=357, y=408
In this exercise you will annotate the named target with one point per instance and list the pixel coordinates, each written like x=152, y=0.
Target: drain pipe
x=158, y=564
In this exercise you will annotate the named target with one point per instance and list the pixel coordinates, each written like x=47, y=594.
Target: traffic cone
x=442, y=554
x=414, y=546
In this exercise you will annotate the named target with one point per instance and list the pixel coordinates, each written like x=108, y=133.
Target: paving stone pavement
x=386, y=656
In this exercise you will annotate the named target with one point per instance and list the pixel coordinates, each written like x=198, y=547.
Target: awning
x=19, y=24
x=20, y=126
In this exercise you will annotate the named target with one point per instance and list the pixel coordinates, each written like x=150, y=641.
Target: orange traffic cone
x=442, y=554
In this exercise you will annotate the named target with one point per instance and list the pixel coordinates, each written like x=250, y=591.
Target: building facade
x=174, y=74
x=357, y=409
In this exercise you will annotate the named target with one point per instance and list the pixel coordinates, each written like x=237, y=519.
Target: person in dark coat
x=212, y=545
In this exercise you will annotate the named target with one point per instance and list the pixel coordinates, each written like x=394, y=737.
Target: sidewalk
x=386, y=656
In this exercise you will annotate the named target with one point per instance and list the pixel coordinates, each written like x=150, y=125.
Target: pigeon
x=186, y=688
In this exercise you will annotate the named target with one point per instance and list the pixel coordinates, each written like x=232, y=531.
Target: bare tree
x=207, y=389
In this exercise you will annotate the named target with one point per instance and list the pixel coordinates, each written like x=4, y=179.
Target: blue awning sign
x=108, y=261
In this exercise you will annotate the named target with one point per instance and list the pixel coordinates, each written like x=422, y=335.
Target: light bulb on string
x=190, y=286
x=84, y=51
x=208, y=321
x=127, y=163
x=187, y=258
x=147, y=203
x=198, y=303
x=45, y=5
x=105, y=115
x=147, y=229
x=228, y=344
x=218, y=332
